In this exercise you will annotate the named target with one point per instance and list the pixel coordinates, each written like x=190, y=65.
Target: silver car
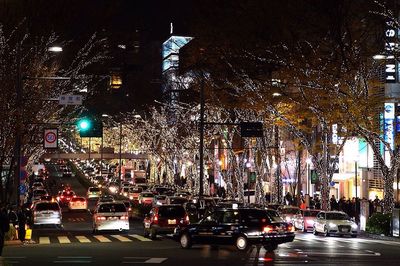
x=288, y=213
x=305, y=221
x=335, y=223
x=46, y=212
x=111, y=216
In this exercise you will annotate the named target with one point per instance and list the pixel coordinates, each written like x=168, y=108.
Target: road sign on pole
x=50, y=138
x=70, y=100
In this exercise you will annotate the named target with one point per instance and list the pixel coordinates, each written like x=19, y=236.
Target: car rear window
x=147, y=195
x=171, y=211
x=136, y=190
x=255, y=217
x=112, y=207
x=94, y=189
x=39, y=192
x=274, y=216
x=177, y=200
x=290, y=210
x=78, y=199
x=47, y=206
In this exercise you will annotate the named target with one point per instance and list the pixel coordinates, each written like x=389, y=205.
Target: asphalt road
x=75, y=244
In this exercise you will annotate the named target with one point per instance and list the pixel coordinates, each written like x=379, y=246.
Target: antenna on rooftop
x=171, y=26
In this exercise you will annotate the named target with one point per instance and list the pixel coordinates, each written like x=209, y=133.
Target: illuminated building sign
x=389, y=127
x=391, y=65
x=170, y=51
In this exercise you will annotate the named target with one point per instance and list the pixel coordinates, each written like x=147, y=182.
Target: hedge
x=379, y=223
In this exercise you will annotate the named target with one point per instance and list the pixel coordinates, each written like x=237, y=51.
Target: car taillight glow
x=268, y=229
x=124, y=217
x=101, y=218
x=290, y=228
x=130, y=209
x=187, y=218
x=155, y=219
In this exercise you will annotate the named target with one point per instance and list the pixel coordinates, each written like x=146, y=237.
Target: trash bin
x=395, y=222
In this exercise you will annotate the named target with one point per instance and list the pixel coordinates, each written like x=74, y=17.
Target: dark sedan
x=241, y=227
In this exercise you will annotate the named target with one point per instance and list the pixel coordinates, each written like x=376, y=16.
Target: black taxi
x=242, y=227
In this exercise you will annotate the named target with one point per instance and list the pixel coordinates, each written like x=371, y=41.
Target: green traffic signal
x=84, y=124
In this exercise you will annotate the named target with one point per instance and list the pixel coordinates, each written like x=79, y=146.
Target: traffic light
x=90, y=127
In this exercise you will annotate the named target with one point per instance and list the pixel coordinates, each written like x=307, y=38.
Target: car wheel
x=304, y=228
x=270, y=247
x=326, y=233
x=186, y=241
x=314, y=231
x=242, y=243
x=353, y=236
x=145, y=232
x=153, y=233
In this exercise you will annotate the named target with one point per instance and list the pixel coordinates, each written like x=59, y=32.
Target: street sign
x=70, y=99
x=50, y=138
x=22, y=189
x=251, y=129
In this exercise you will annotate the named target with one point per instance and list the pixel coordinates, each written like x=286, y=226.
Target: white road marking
x=102, y=238
x=155, y=260
x=147, y=260
x=121, y=238
x=63, y=240
x=342, y=254
x=141, y=238
x=83, y=239
x=44, y=240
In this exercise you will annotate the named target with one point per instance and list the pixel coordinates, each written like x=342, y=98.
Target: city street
x=75, y=244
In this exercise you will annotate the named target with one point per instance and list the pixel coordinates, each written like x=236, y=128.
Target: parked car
x=93, y=192
x=77, y=203
x=110, y=216
x=305, y=221
x=45, y=213
x=241, y=227
x=164, y=219
x=334, y=223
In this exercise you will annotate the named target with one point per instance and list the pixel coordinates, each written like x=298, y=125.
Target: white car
x=289, y=213
x=111, y=216
x=77, y=203
x=45, y=212
x=334, y=223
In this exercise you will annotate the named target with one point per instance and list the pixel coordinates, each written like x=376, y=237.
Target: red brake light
x=290, y=228
x=187, y=219
x=268, y=229
x=62, y=197
x=124, y=217
x=155, y=219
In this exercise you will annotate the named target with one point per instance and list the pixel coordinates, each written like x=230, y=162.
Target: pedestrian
x=4, y=227
x=303, y=205
x=334, y=204
x=21, y=224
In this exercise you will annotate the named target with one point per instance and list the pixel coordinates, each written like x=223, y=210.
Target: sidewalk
x=379, y=237
x=12, y=242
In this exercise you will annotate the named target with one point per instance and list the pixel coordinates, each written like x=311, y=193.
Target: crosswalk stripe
x=83, y=239
x=63, y=240
x=141, y=238
x=102, y=238
x=44, y=240
x=121, y=238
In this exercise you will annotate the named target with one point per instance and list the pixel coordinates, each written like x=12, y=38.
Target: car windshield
x=337, y=216
x=113, y=207
x=310, y=213
x=94, y=189
x=290, y=211
x=47, y=206
x=171, y=211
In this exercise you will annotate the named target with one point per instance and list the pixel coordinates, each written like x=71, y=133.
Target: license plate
x=345, y=230
x=171, y=221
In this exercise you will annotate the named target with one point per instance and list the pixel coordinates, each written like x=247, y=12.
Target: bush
x=379, y=223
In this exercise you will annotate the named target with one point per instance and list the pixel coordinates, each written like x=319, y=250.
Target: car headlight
x=354, y=226
x=288, y=219
x=331, y=225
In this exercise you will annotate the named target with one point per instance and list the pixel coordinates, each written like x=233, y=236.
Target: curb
x=12, y=242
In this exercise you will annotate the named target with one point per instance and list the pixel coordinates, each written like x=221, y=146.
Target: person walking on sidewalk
x=21, y=224
x=4, y=227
